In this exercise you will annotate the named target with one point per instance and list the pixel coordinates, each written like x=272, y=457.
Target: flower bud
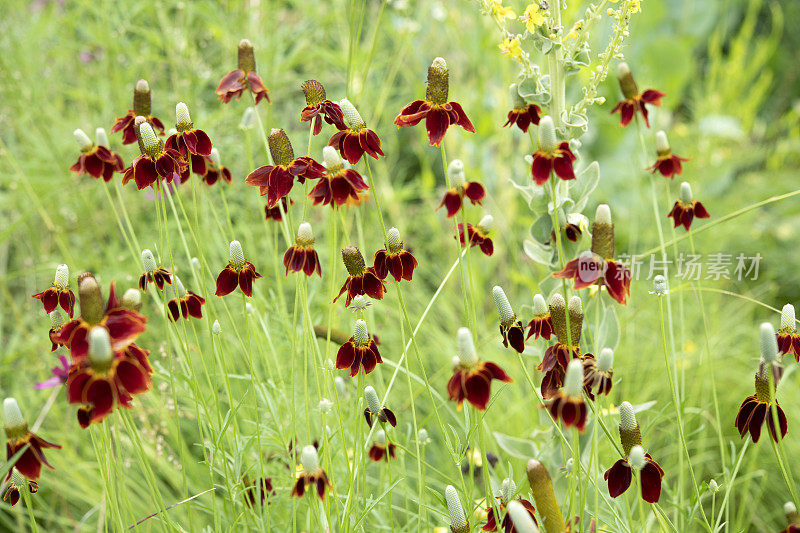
x=150, y=143
x=351, y=116
x=332, y=159
x=636, y=457
x=182, y=119
x=247, y=59
x=360, y=335
x=56, y=320
x=458, y=521
x=214, y=157
x=216, y=329
x=626, y=81
x=686, y=193
x=61, y=279
x=195, y=263
x=548, y=142
x=605, y=361
x=788, y=320
x=16, y=426
x=309, y=459
x=148, y=261
x=467, y=355
x=131, y=300
x=575, y=309
x=373, y=403
x=100, y=352
x=629, y=433
x=422, y=436
x=92, y=306
x=279, y=147
x=662, y=144
x=790, y=511
x=248, y=308
x=359, y=303
x=83, y=140
x=539, y=305
x=455, y=171
x=713, y=486
x=523, y=523
x=558, y=315
x=659, y=285
x=325, y=406
x=486, y=224
x=603, y=232
x=518, y=102
x=769, y=343
x=508, y=489
x=314, y=92
x=101, y=138
x=305, y=235
x=544, y=498
x=504, y=309
x=141, y=98
x=180, y=291
x=341, y=386
x=249, y=119
x=353, y=260
x=380, y=437
x=236, y=254
x=573, y=380
x=438, y=82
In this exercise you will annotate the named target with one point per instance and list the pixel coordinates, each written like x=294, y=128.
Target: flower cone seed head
x=508, y=489
x=236, y=254
x=62, y=276
x=394, y=243
x=626, y=81
x=280, y=147
x=573, y=381
x=662, y=143
x=249, y=118
x=380, y=437
x=544, y=497
x=575, y=319
x=214, y=157
x=373, y=403
x=486, y=224
x=56, y=320
x=523, y=523
x=686, y=193
x=83, y=140
x=659, y=285
x=603, y=232
x=182, y=117
x=332, y=159
x=353, y=260
x=713, y=486
x=769, y=344
x=309, y=459
x=150, y=143
x=455, y=170
x=148, y=261
x=629, y=433
x=314, y=92
x=438, y=82
x=305, y=235
x=548, y=141
x=17, y=479
x=13, y=416
x=351, y=116
x=788, y=320
x=558, y=315
x=359, y=303
x=101, y=138
x=605, y=361
x=180, y=291
x=216, y=329
x=518, y=102
x=539, y=305
x=248, y=308
x=246, y=56
x=325, y=406
x=467, y=355
x=131, y=300
x=636, y=457
x=100, y=353
x=504, y=309
x=360, y=335
x=790, y=511
x=627, y=416
x=458, y=521
x=141, y=98
x=422, y=436
x=90, y=298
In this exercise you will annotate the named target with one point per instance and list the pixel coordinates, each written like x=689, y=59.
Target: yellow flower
x=635, y=6
x=499, y=11
x=532, y=17
x=511, y=48
x=573, y=33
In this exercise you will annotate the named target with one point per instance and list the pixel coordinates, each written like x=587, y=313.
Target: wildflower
x=394, y=260
x=761, y=407
x=123, y=325
x=506, y=499
x=152, y=273
x=422, y=436
x=359, y=351
x=216, y=329
x=141, y=108
x=192, y=143
x=460, y=188
x=439, y=114
x=687, y=208
x=257, y=490
x=598, y=374
x=520, y=518
x=361, y=279
x=60, y=373
x=338, y=184
x=478, y=235
x=318, y=107
x=472, y=378
x=541, y=325
x=558, y=356
x=274, y=213
x=355, y=139
x=277, y=180
x=16, y=484
x=532, y=17
x=792, y=517
x=214, y=169
x=18, y=436
x=235, y=82
x=302, y=257
x=620, y=475
x=238, y=272
x=544, y=497
x=311, y=475
x=634, y=101
x=567, y=403
x=381, y=449
x=511, y=329
x=659, y=286
x=667, y=163
x=59, y=293
x=551, y=156
x=523, y=114
x=156, y=161
x=510, y=48
x=56, y=323
x=106, y=379
x=375, y=410
x=597, y=267
x=96, y=159
x=458, y=520
x=787, y=337
x=186, y=303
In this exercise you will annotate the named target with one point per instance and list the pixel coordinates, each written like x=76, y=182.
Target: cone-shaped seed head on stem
x=603, y=232
x=605, y=361
x=353, y=260
x=518, y=102
x=467, y=355
x=62, y=276
x=662, y=143
x=352, y=118
x=422, y=436
x=575, y=319
x=249, y=119
x=360, y=335
x=180, y=290
x=236, y=254
x=100, y=353
x=790, y=510
x=182, y=117
x=659, y=285
x=686, y=193
x=305, y=235
x=148, y=261
x=548, y=142
x=309, y=459
x=713, y=486
x=314, y=92
x=508, y=489
x=627, y=416
x=523, y=523
x=214, y=157
x=90, y=298
x=769, y=343
x=629, y=433
x=455, y=171
x=150, y=143
x=247, y=59
x=504, y=309
x=539, y=305
x=56, y=320
x=13, y=416
x=216, y=329
x=325, y=406
x=394, y=242
x=83, y=140
x=626, y=81
x=558, y=315
x=458, y=520
x=486, y=223
x=573, y=380
x=788, y=320
x=636, y=457
x=438, y=82
x=141, y=98
x=101, y=138
x=380, y=437
x=131, y=300
x=332, y=159
x=279, y=147
x=373, y=403
x=544, y=497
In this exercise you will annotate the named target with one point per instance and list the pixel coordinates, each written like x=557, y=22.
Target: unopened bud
x=13, y=417
x=180, y=291
x=309, y=459
x=141, y=98
x=332, y=159
x=353, y=260
x=544, y=498
x=548, y=142
x=458, y=521
x=558, y=315
x=626, y=81
x=467, y=355
x=539, y=305
x=249, y=118
x=686, y=193
x=214, y=157
x=603, y=232
x=605, y=361
x=183, y=120
x=636, y=457
x=504, y=309
x=659, y=285
x=314, y=92
x=61, y=279
x=83, y=140
x=90, y=298
x=769, y=343
x=662, y=144
x=236, y=254
x=248, y=308
x=101, y=138
x=455, y=171
x=438, y=82
x=351, y=116
x=247, y=59
x=508, y=489
x=305, y=235
x=100, y=353
x=131, y=300
x=341, y=386
x=713, y=486
x=380, y=437
x=371, y=397
x=360, y=335
x=518, y=102
x=148, y=261
x=573, y=380
x=325, y=406
x=523, y=523
x=788, y=320
x=422, y=436
x=216, y=329
x=486, y=224
x=790, y=510
x=280, y=148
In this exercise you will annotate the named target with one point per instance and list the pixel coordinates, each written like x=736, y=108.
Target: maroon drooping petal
x=452, y=201
x=227, y=281
x=562, y=162
x=346, y=356
x=626, y=109
x=436, y=123
x=412, y=114
x=477, y=390
x=257, y=87
x=651, y=96
x=619, y=478
x=462, y=119
x=541, y=166
x=132, y=377
x=617, y=279
x=651, y=476
x=540, y=327
x=700, y=210
x=231, y=85
x=475, y=192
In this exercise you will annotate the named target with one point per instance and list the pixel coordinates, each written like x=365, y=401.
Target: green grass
x=74, y=66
